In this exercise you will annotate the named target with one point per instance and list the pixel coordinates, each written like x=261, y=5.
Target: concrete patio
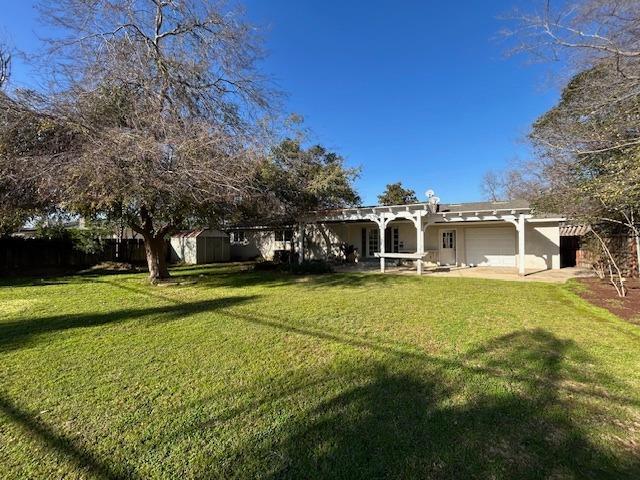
x=494, y=273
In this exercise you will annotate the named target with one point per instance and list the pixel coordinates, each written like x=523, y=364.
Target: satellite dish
x=432, y=200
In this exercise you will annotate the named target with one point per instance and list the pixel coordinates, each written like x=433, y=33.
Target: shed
x=200, y=246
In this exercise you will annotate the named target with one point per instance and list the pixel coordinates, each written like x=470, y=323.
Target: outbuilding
x=200, y=246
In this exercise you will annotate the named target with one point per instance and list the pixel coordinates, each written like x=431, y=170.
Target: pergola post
x=419, y=242
x=382, y=226
x=521, y=245
x=300, y=242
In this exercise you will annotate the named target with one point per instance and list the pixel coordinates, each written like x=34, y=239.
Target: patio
x=491, y=273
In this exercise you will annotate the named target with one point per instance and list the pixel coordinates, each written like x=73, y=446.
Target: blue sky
x=412, y=91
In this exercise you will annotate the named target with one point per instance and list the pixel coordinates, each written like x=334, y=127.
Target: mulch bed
x=602, y=294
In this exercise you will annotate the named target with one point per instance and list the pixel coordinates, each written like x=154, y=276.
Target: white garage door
x=491, y=247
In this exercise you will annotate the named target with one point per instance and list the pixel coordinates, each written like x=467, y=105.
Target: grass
x=267, y=375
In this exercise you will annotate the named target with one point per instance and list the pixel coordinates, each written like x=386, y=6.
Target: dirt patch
x=602, y=294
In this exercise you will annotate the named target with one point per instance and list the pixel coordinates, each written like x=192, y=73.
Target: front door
x=447, y=247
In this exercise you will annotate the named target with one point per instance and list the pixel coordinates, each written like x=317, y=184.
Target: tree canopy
x=587, y=147
x=155, y=114
x=292, y=181
x=396, y=194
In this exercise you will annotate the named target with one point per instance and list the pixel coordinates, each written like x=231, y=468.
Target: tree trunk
x=327, y=239
x=155, y=248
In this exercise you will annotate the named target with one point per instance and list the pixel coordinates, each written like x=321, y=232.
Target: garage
x=491, y=247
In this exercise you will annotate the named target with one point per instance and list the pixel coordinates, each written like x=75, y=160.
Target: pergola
x=422, y=215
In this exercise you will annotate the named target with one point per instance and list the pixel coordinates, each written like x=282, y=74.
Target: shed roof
x=199, y=232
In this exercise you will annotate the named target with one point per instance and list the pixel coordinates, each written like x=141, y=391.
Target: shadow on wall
x=541, y=247
x=257, y=244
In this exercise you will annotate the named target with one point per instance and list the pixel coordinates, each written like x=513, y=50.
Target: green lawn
x=259, y=375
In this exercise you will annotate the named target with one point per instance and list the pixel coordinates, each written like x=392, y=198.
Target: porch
x=416, y=235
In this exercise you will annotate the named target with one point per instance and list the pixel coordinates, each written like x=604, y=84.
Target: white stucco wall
x=542, y=242
x=542, y=245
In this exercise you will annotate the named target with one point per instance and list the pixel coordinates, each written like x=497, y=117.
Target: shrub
x=312, y=267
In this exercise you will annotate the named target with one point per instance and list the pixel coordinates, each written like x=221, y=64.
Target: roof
x=483, y=206
x=446, y=207
x=199, y=232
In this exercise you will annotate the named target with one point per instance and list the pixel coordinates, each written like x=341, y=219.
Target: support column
x=521, y=245
x=300, y=242
x=419, y=242
x=381, y=239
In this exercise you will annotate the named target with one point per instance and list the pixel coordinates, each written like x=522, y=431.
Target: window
x=374, y=242
x=285, y=235
x=448, y=239
x=396, y=240
x=238, y=236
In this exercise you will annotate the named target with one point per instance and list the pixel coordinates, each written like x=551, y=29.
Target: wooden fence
x=32, y=254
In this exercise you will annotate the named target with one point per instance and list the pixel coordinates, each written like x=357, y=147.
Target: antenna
x=432, y=200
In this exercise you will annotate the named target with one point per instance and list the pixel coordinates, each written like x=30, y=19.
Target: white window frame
x=235, y=237
x=280, y=235
x=370, y=243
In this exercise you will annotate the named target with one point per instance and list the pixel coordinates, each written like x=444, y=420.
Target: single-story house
x=496, y=234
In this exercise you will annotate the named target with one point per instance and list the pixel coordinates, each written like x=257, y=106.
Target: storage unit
x=200, y=246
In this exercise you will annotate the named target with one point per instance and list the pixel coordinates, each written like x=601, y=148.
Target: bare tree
x=492, y=186
x=599, y=41
x=156, y=114
x=588, y=146
x=5, y=64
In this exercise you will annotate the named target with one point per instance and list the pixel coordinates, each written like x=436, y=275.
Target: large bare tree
x=157, y=111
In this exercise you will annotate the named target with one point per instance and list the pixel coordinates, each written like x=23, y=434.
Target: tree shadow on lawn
x=65, y=447
x=408, y=352
x=16, y=334
x=419, y=416
x=244, y=279
x=519, y=406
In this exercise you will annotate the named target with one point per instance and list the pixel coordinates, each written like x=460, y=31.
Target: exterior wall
x=542, y=242
x=316, y=243
x=258, y=244
x=542, y=246
x=201, y=249
x=212, y=249
x=183, y=249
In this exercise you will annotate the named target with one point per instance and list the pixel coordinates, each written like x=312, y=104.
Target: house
x=494, y=234
x=250, y=242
